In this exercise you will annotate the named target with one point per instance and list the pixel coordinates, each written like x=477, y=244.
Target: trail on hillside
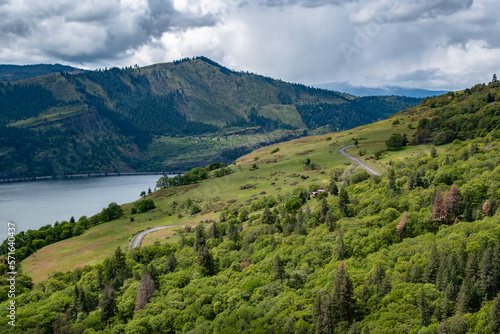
x=357, y=161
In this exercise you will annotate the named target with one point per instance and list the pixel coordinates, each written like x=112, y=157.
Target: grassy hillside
x=163, y=117
x=415, y=250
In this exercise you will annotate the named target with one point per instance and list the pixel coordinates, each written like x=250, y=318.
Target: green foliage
x=113, y=211
x=396, y=141
x=144, y=205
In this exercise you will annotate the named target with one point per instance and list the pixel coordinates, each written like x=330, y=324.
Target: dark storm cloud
x=87, y=31
x=439, y=44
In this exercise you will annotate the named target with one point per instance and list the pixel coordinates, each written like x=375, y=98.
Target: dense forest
x=120, y=120
x=412, y=251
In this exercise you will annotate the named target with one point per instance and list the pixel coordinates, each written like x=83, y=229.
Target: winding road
x=357, y=161
x=137, y=241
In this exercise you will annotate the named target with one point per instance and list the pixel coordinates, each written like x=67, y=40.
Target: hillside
x=415, y=250
x=163, y=117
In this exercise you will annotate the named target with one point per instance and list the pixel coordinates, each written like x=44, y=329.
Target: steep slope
x=414, y=250
x=164, y=116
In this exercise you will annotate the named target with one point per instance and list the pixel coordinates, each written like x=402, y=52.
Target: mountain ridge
x=164, y=116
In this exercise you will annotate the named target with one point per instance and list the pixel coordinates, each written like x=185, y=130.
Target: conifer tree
x=107, y=304
x=330, y=221
x=424, y=308
x=494, y=325
x=343, y=201
x=199, y=236
x=278, y=269
x=432, y=266
x=205, y=260
x=451, y=204
x=171, y=263
x=490, y=272
x=342, y=296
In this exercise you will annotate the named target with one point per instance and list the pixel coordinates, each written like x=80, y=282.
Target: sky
x=429, y=44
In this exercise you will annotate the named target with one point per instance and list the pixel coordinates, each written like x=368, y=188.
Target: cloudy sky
x=430, y=44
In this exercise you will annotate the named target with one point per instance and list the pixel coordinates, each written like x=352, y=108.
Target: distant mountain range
x=21, y=72
x=383, y=91
x=162, y=117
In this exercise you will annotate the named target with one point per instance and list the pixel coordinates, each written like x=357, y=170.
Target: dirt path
x=137, y=241
x=357, y=161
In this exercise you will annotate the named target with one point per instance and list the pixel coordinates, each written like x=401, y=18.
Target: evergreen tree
x=171, y=263
x=494, y=325
x=343, y=201
x=322, y=313
x=432, y=266
x=342, y=296
x=205, y=260
x=278, y=269
x=107, y=304
x=199, y=236
x=424, y=308
x=490, y=272
x=391, y=185
x=330, y=221
x=332, y=188
x=340, y=247
x=469, y=298
x=267, y=217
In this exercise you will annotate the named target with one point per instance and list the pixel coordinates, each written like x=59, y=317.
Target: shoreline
x=80, y=176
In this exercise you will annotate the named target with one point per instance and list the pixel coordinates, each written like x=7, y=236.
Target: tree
x=391, y=176
x=278, y=270
x=494, y=79
x=332, y=187
x=432, y=266
x=343, y=201
x=395, y=141
x=107, y=304
x=199, y=238
x=293, y=205
x=438, y=211
x=342, y=296
x=401, y=228
x=494, y=325
x=433, y=152
x=451, y=204
x=322, y=313
x=206, y=261
x=171, y=263
x=145, y=291
x=425, y=311
x=143, y=194
x=490, y=271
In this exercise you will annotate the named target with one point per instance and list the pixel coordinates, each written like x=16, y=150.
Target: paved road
x=137, y=241
x=357, y=161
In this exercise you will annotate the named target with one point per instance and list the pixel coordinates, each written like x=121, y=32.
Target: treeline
x=195, y=175
x=461, y=115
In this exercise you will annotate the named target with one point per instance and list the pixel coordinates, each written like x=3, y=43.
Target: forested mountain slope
x=415, y=250
x=165, y=116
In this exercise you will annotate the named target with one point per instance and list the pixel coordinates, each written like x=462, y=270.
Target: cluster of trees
x=195, y=175
x=461, y=115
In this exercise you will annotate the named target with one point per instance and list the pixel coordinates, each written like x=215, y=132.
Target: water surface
x=37, y=203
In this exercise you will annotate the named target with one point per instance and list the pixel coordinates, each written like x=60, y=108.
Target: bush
x=144, y=205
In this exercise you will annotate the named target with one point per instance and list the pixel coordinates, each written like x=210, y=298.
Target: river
x=34, y=204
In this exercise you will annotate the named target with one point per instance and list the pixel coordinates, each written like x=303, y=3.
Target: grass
x=214, y=194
